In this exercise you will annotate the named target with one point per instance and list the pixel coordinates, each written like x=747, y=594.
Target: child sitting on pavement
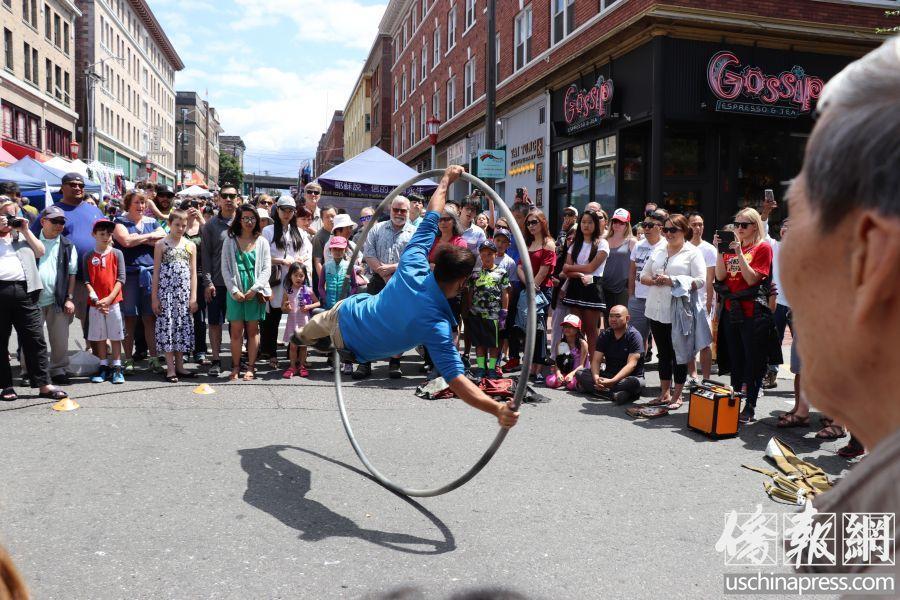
x=571, y=356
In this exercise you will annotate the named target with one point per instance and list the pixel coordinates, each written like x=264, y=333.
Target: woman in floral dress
x=175, y=295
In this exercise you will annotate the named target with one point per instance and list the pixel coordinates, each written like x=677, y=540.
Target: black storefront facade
x=691, y=125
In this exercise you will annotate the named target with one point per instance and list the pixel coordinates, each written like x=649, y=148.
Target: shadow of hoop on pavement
x=278, y=486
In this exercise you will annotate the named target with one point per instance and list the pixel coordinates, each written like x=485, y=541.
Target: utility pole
x=490, y=119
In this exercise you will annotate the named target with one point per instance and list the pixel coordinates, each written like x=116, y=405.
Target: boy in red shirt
x=104, y=276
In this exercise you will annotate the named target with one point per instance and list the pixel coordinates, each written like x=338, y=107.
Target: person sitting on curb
x=621, y=348
x=373, y=327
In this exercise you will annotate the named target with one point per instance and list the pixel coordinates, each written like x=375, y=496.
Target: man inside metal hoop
x=411, y=310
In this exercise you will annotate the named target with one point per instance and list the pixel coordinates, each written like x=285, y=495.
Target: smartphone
x=520, y=192
x=769, y=196
x=725, y=239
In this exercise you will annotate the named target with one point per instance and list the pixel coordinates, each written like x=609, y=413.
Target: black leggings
x=662, y=334
x=268, y=332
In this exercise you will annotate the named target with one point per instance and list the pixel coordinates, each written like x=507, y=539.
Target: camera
x=520, y=192
x=15, y=221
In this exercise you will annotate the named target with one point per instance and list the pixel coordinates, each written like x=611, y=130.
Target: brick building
x=198, y=140
x=624, y=101
x=330, y=151
x=233, y=145
x=379, y=64
x=37, y=77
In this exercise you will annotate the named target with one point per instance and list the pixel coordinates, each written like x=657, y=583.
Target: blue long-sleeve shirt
x=409, y=311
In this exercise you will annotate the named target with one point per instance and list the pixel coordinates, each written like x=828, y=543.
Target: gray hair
x=853, y=155
x=401, y=199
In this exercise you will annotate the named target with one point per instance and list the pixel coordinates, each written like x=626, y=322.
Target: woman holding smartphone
x=675, y=259
x=744, y=270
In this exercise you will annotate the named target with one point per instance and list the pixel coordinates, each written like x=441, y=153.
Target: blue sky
x=274, y=69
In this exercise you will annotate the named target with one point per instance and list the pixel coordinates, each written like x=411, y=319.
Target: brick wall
x=381, y=59
x=331, y=146
x=537, y=73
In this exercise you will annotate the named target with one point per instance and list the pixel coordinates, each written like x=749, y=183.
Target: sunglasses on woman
x=742, y=224
x=530, y=223
x=670, y=229
x=249, y=219
x=313, y=192
x=649, y=224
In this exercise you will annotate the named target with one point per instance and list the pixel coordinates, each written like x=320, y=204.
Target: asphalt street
x=151, y=491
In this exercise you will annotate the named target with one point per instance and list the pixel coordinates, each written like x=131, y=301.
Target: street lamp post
x=148, y=164
x=91, y=79
x=432, y=126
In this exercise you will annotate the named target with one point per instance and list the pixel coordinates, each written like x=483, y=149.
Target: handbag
x=275, y=276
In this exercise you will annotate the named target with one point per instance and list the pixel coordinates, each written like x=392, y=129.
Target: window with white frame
x=451, y=98
x=563, y=19
x=522, y=35
x=424, y=61
x=436, y=48
x=414, y=15
x=470, y=13
x=604, y=4
x=412, y=76
x=403, y=89
x=394, y=146
x=396, y=97
x=469, y=82
x=412, y=129
x=402, y=133
x=451, y=29
x=424, y=9
x=423, y=118
x=436, y=104
x=497, y=56
x=405, y=32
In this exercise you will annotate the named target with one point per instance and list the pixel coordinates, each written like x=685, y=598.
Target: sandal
x=233, y=376
x=9, y=395
x=790, y=419
x=659, y=402
x=172, y=378
x=53, y=395
x=832, y=432
x=249, y=375
x=676, y=405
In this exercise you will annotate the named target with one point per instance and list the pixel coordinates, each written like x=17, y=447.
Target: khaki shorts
x=323, y=325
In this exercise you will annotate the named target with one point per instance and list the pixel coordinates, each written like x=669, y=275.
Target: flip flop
x=659, y=402
x=9, y=395
x=53, y=395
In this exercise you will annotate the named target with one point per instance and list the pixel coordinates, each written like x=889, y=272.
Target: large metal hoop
x=528, y=355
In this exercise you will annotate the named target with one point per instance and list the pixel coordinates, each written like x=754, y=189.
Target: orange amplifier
x=714, y=410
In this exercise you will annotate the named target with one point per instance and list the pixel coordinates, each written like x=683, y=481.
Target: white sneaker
x=347, y=368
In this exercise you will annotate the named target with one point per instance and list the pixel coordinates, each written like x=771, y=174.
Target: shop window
x=581, y=176
x=562, y=168
x=684, y=155
x=605, y=173
x=681, y=201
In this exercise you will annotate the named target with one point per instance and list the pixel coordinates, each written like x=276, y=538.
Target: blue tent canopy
x=25, y=183
x=41, y=172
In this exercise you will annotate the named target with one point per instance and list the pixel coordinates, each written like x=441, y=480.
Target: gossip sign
x=749, y=90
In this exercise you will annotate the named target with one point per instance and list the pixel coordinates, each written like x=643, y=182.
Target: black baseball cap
x=164, y=190
x=76, y=177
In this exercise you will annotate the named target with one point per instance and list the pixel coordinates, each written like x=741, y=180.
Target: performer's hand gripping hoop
x=528, y=356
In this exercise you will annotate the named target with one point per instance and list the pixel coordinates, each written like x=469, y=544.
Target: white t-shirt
x=709, y=257
x=11, y=268
x=474, y=235
x=687, y=261
x=639, y=255
x=303, y=254
x=584, y=256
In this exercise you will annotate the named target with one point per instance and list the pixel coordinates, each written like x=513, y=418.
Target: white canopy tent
x=195, y=191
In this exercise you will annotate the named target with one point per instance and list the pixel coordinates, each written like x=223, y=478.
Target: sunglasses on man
x=313, y=192
x=76, y=185
x=229, y=196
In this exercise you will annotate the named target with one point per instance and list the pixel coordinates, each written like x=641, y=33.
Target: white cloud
x=291, y=112
x=344, y=22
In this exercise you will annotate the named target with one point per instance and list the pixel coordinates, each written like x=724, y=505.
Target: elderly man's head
x=841, y=262
x=399, y=211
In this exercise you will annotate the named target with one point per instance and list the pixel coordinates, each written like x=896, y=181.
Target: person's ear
x=874, y=265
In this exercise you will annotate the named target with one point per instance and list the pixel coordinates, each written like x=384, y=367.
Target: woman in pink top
x=450, y=233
